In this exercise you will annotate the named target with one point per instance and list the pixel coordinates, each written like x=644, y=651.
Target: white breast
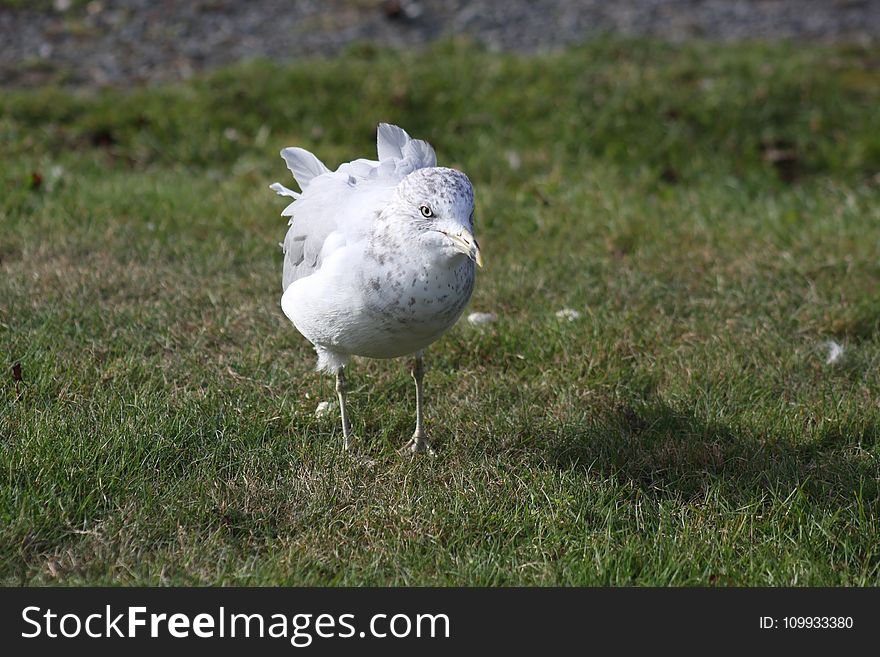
x=397, y=309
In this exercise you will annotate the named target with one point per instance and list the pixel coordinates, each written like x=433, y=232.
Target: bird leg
x=419, y=442
x=342, y=392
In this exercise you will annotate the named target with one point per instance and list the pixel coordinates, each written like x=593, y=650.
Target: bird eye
x=426, y=211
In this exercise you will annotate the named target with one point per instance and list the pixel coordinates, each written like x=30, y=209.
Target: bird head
x=436, y=206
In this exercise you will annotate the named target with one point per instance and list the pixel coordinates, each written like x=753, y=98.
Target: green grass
x=713, y=211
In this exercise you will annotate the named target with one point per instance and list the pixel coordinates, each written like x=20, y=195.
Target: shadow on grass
x=669, y=453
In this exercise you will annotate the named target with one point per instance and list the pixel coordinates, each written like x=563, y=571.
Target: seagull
x=379, y=260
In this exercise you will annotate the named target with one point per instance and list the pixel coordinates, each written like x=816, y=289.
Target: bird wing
x=336, y=207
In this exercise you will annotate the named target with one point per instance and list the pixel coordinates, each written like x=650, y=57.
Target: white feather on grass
x=569, y=314
x=482, y=318
x=835, y=352
x=323, y=409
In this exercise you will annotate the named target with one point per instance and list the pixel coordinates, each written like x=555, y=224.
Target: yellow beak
x=465, y=243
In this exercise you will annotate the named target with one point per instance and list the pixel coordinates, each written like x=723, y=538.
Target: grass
x=713, y=211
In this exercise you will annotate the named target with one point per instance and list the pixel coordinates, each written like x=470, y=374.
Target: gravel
x=123, y=42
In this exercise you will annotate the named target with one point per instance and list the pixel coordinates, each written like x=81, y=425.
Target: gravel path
x=134, y=41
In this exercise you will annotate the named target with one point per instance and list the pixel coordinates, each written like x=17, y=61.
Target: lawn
x=712, y=212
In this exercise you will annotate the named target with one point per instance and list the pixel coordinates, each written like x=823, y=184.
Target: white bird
x=379, y=258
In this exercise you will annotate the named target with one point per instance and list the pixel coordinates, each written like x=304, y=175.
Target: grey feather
x=303, y=165
x=281, y=190
x=420, y=153
x=302, y=248
x=390, y=141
